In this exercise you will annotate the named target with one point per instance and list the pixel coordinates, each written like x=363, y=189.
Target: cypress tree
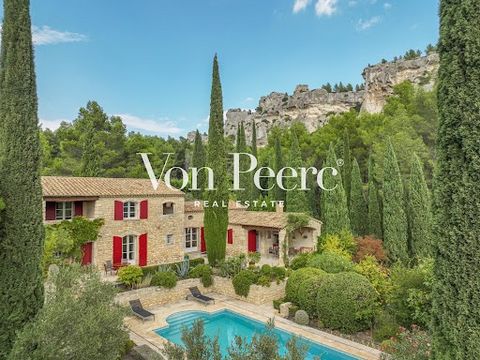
x=395, y=227
x=198, y=161
x=216, y=214
x=296, y=199
x=334, y=202
x=22, y=231
x=279, y=194
x=456, y=295
x=90, y=162
x=374, y=212
x=346, y=169
x=419, y=211
x=254, y=192
x=241, y=147
x=358, y=205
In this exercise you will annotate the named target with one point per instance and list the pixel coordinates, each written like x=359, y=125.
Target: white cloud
x=325, y=7
x=51, y=124
x=387, y=6
x=300, y=5
x=163, y=126
x=46, y=35
x=248, y=99
x=367, y=24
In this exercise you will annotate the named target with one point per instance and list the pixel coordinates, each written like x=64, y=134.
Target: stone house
x=144, y=226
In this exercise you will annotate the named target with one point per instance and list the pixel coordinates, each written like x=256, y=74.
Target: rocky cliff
x=314, y=107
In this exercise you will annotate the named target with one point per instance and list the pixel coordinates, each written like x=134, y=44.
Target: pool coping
x=262, y=313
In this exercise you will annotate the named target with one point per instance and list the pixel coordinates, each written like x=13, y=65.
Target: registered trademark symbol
x=340, y=162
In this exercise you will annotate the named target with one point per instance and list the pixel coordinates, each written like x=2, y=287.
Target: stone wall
x=154, y=296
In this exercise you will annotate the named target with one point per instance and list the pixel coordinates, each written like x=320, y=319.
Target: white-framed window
x=128, y=249
x=130, y=210
x=63, y=210
x=169, y=239
x=168, y=208
x=191, y=238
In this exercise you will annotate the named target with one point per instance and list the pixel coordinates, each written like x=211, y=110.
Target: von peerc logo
x=190, y=182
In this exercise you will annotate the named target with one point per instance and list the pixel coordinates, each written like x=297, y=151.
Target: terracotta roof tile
x=64, y=186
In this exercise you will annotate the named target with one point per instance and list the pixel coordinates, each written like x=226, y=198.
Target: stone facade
x=155, y=296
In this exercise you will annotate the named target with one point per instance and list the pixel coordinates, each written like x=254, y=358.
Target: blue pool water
x=227, y=324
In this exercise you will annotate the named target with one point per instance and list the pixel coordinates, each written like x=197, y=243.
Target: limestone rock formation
x=314, y=107
x=381, y=78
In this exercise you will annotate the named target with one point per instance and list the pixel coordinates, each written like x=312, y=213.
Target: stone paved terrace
x=143, y=332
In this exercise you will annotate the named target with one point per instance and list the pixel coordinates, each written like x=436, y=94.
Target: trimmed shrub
x=166, y=279
x=295, y=279
x=347, y=302
x=301, y=317
x=300, y=261
x=279, y=273
x=204, y=273
x=242, y=282
x=369, y=245
x=307, y=294
x=130, y=275
x=266, y=270
x=264, y=281
x=330, y=262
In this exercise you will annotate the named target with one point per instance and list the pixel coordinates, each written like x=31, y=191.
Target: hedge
x=296, y=278
x=347, y=302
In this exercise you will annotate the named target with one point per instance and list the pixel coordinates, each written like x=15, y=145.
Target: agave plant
x=164, y=268
x=183, y=268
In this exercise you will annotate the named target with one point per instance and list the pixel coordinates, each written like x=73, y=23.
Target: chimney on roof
x=279, y=206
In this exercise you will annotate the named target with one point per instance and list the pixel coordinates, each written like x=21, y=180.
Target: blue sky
x=150, y=60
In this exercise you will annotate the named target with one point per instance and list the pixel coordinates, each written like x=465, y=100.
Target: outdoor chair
x=139, y=311
x=109, y=269
x=198, y=296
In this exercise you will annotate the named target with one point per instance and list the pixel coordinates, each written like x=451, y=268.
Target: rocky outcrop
x=314, y=107
x=191, y=136
x=310, y=107
x=381, y=78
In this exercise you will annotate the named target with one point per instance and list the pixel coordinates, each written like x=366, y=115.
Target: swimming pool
x=227, y=324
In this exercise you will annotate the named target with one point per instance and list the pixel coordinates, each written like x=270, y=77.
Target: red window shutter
x=142, y=250
x=144, y=209
x=78, y=208
x=50, y=210
x=203, y=245
x=117, y=249
x=118, y=210
x=230, y=236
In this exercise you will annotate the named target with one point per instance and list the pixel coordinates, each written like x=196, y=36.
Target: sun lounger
x=139, y=311
x=198, y=296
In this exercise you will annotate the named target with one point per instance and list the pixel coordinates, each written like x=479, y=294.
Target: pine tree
x=296, y=199
x=198, y=161
x=419, y=211
x=358, y=205
x=279, y=194
x=346, y=169
x=374, y=212
x=254, y=192
x=334, y=202
x=216, y=214
x=22, y=231
x=395, y=227
x=456, y=295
